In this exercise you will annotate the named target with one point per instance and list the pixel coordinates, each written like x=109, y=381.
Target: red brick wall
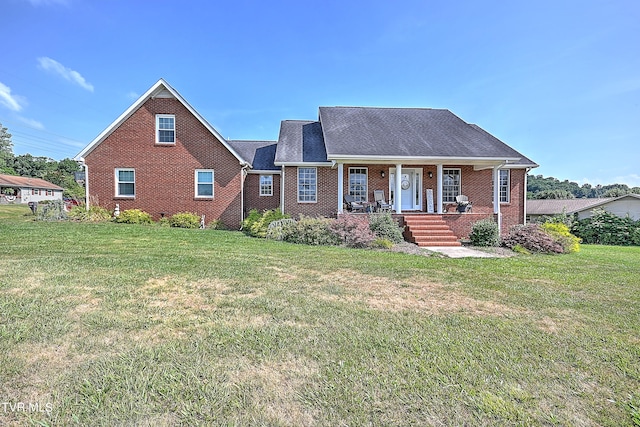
x=327, y=193
x=164, y=174
x=252, y=197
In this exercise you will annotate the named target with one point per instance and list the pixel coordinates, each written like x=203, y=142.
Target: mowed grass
x=106, y=324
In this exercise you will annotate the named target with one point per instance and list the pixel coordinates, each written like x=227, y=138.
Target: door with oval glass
x=411, y=185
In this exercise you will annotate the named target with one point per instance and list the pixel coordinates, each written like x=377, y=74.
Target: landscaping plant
x=485, y=233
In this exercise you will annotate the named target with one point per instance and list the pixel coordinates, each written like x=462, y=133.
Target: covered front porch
x=430, y=189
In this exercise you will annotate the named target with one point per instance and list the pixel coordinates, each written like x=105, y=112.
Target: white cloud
x=73, y=76
x=31, y=123
x=12, y=102
x=133, y=95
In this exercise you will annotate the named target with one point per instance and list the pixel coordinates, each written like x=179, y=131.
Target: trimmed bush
x=385, y=227
x=185, y=220
x=134, y=216
x=353, y=230
x=309, y=231
x=532, y=238
x=561, y=233
x=485, y=233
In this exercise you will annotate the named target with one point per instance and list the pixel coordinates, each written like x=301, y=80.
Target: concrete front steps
x=429, y=230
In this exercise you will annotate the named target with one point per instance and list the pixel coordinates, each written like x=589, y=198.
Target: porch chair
x=352, y=204
x=383, y=206
x=464, y=205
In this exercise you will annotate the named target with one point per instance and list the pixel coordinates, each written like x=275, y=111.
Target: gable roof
x=259, y=154
x=569, y=206
x=390, y=134
x=160, y=89
x=300, y=142
x=26, y=182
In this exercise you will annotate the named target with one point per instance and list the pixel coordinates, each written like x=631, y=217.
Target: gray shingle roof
x=300, y=141
x=260, y=154
x=407, y=132
x=558, y=206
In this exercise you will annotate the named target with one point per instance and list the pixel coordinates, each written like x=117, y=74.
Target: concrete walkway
x=461, y=252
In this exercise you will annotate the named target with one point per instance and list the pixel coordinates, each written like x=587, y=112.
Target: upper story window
x=307, y=185
x=450, y=185
x=266, y=185
x=358, y=184
x=204, y=183
x=165, y=129
x=125, y=182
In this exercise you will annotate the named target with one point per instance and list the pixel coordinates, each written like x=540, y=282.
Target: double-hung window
x=450, y=185
x=307, y=185
x=165, y=129
x=36, y=192
x=125, y=182
x=266, y=185
x=204, y=183
x=358, y=184
x=505, y=196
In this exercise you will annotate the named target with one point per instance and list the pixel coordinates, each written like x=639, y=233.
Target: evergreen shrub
x=485, y=233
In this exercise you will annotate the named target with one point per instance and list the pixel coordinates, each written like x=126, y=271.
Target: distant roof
x=558, y=206
x=259, y=154
x=410, y=132
x=26, y=182
x=300, y=141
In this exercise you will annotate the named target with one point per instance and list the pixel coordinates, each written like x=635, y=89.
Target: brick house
x=163, y=157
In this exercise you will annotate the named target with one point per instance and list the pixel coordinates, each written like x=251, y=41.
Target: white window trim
x=117, y=181
x=196, y=182
x=270, y=186
x=366, y=169
x=164, y=116
x=459, y=184
x=298, y=185
x=508, y=186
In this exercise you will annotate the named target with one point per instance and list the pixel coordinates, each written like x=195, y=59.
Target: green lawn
x=106, y=324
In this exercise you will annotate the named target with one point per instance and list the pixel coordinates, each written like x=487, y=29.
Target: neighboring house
x=26, y=189
x=622, y=206
x=163, y=157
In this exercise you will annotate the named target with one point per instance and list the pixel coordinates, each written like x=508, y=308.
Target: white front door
x=411, y=185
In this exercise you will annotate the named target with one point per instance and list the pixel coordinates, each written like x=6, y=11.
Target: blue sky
x=557, y=80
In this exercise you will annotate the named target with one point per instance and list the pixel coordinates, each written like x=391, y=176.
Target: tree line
x=57, y=172
x=539, y=187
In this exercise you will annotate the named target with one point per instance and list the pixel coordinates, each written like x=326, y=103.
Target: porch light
x=430, y=174
x=382, y=174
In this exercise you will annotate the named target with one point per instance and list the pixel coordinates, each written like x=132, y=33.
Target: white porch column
x=496, y=196
x=398, y=191
x=439, y=187
x=340, y=187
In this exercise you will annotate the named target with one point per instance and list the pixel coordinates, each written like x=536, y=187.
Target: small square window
x=165, y=129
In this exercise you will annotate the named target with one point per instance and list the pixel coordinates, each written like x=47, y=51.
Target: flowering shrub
x=353, y=230
x=561, y=233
